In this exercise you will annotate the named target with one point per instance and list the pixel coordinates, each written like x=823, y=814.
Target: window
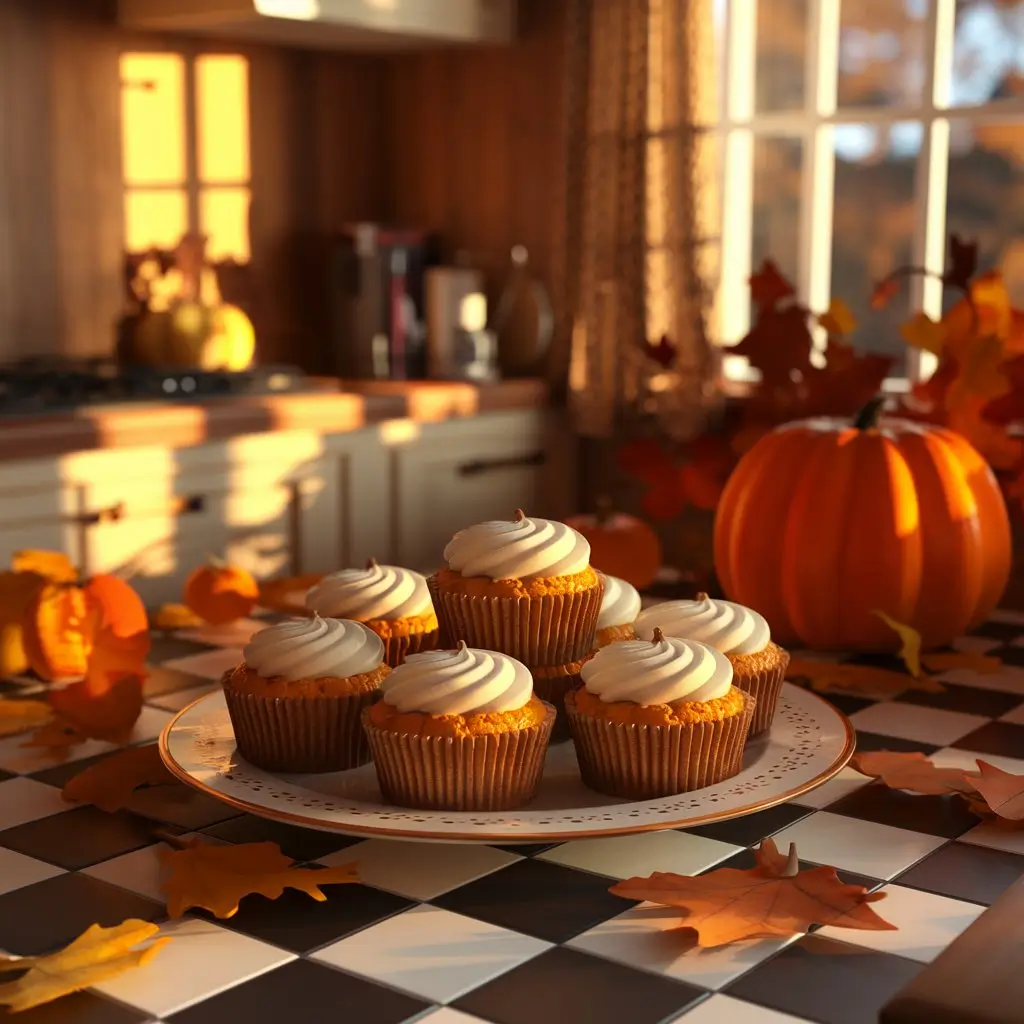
x=855, y=134
x=185, y=151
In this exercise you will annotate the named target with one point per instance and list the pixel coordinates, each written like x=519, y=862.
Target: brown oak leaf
x=218, y=878
x=110, y=783
x=1003, y=792
x=773, y=898
x=913, y=773
x=866, y=680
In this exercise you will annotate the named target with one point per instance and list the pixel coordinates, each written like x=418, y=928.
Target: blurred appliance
x=376, y=284
x=55, y=385
x=459, y=345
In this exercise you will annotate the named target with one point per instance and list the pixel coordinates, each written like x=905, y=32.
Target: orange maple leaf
x=914, y=773
x=865, y=680
x=218, y=878
x=778, y=344
x=773, y=898
x=1003, y=791
x=969, y=661
x=110, y=783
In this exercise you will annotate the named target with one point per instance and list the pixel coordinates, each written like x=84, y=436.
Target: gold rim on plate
x=661, y=824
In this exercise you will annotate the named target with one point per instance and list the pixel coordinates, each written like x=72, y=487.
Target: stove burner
x=54, y=385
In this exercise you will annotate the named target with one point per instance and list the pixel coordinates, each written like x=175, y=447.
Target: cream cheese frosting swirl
x=465, y=681
x=518, y=549
x=314, y=649
x=664, y=670
x=728, y=627
x=376, y=592
x=620, y=605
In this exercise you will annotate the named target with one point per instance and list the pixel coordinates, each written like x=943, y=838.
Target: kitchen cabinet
x=450, y=475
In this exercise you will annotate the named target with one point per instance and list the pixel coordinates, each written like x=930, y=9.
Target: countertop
x=332, y=407
x=469, y=934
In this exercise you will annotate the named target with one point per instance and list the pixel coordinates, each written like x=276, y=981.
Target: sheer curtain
x=642, y=215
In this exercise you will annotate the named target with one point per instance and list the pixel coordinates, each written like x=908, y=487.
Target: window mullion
x=191, y=141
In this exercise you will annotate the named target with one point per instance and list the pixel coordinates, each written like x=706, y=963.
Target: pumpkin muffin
x=655, y=718
x=741, y=634
x=296, y=699
x=522, y=587
x=459, y=730
x=395, y=603
x=619, y=608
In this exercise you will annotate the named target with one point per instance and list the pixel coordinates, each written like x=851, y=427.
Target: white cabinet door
x=454, y=474
x=38, y=509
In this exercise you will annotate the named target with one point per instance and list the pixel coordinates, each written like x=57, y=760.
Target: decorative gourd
x=192, y=334
x=58, y=625
x=620, y=545
x=220, y=594
x=825, y=522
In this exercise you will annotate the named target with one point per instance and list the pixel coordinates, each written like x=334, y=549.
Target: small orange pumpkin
x=825, y=522
x=620, y=545
x=59, y=624
x=220, y=594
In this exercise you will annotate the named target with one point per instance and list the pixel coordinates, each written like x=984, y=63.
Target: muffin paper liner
x=612, y=634
x=398, y=648
x=644, y=762
x=444, y=641
x=553, y=690
x=765, y=688
x=539, y=631
x=300, y=734
x=493, y=772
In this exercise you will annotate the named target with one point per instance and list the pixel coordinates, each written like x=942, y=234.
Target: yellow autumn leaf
x=910, y=640
x=838, y=319
x=175, y=616
x=98, y=954
x=924, y=333
x=21, y=715
x=52, y=565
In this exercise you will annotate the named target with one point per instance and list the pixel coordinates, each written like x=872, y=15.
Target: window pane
x=873, y=225
x=882, y=46
x=781, y=54
x=222, y=116
x=154, y=219
x=224, y=219
x=778, y=171
x=985, y=195
x=153, y=118
x=988, y=51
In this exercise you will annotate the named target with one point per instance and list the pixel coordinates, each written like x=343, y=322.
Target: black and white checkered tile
x=512, y=935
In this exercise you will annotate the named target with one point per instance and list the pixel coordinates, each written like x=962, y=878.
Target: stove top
x=50, y=385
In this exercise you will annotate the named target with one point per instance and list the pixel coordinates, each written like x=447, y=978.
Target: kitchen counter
x=333, y=407
x=475, y=934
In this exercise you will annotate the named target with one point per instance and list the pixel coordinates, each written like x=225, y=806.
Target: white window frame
x=192, y=185
x=814, y=125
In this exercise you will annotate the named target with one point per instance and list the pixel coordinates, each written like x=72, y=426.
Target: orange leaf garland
x=774, y=898
x=218, y=878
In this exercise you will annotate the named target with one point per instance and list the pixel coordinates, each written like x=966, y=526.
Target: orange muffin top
x=378, y=594
x=664, y=681
x=309, y=657
x=522, y=557
x=458, y=693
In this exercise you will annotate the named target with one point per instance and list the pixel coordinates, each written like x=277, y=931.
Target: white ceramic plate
x=809, y=742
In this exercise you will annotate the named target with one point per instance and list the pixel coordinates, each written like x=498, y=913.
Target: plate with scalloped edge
x=809, y=742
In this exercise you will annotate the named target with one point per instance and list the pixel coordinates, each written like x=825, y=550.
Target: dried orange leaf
x=21, y=715
x=109, y=783
x=98, y=954
x=57, y=737
x=1003, y=791
x=773, y=898
x=913, y=773
x=217, y=878
x=838, y=319
x=924, y=333
x=829, y=677
x=910, y=643
x=51, y=565
x=176, y=616
x=949, y=661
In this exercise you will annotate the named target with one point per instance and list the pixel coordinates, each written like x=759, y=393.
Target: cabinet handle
x=478, y=466
x=188, y=505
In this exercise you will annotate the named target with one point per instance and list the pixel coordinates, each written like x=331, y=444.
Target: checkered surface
x=512, y=935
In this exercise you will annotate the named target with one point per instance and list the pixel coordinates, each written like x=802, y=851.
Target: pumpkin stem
x=519, y=516
x=868, y=416
x=603, y=509
x=657, y=636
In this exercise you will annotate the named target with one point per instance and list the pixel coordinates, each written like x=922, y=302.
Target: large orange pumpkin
x=220, y=594
x=58, y=625
x=825, y=522
x=620, y=545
